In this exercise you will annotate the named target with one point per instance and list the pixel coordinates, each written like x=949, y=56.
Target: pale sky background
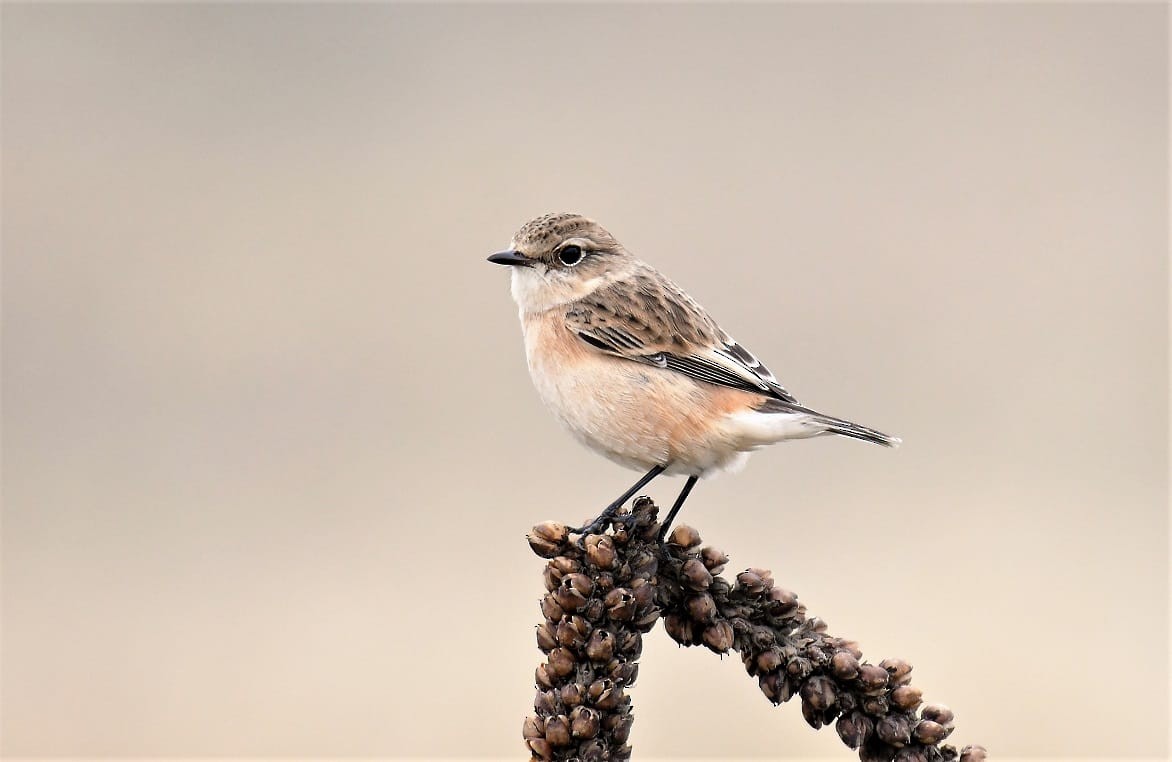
x=270, y=447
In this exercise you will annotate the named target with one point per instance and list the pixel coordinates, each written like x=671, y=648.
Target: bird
x=637, y=370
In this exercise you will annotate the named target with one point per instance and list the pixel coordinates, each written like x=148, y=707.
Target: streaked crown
x=540, y=237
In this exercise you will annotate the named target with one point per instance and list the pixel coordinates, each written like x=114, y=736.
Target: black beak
x=510, y=258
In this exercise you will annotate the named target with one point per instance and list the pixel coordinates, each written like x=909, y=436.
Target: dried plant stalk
x=605, y=590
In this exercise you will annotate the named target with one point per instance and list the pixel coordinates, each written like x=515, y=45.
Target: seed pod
x=937, y=713
x=643, y=562
x=894, y=729
x=623, y=672
x=876, y=706
x=678, y=628
x=533, y=727
x=854, y=729
x=695, y=574
x=593, y=610
x=872, y=679
x=763, y=637
x=546, y=539
x=543, y=677
x=929, y=732
x=557, y=730
x=718, y=637
x=545, y=703
x=973, y=753
x=768, y=661
x=600, y=647
x=569, y=598
x=620, y=604
x=819, y=692
x=898, y=671
x=713, y=559
x=812, y=716
x=622, y=731
x=912, y=754
x=771, y=684
x=852, y=647
x=600, y=551
x=583, y=722
x=540, y=748
x=546, y=637
x=906, y=697
x=684, y=536
x=551, y=578
x=568, y=635
x=643, y=592
x=629, y=643
x=702, y=608
x=565, y=565
x=580, y=583
x=799, y=668
x=751, y=582
x=572, y=694
x=561, y=662
x=610, y=697
x=551, y=609
x=844, y=665
x=874, y=750
x=592, y=751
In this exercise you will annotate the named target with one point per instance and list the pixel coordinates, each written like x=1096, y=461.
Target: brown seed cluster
x=600, y=600
x=601, y=597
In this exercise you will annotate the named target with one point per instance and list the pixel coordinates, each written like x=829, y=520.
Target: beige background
x=270, y=445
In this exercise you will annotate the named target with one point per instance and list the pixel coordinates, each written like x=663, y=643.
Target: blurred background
x=270, y=445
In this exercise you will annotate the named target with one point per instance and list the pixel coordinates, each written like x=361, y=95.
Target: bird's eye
x=570, y=255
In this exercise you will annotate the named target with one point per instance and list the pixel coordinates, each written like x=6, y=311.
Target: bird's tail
x=832, y=425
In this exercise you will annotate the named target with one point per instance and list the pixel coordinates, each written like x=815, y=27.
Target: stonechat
x=637, y=370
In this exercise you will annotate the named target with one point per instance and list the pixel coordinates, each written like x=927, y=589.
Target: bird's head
x=559, y=258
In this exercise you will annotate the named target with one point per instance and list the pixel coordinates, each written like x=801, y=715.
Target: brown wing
x=647, y=318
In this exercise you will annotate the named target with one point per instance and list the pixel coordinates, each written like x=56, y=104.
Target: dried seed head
x=772, y=684
x=547, y=538
x=844, y=665
x=898, y=671
x=912, y=754
x=872, y=679
x=713, y=559
x=551, y=609
x=718, y=637
x=819, y=692
x=684, y=536
x=973, y=753
x=544, y=703
x=557, y=730
x=546, y=637
x=929, y=732
x=580, y=583
x=874, y=750
x=600, y=647
x=894, y=729
x=695, y=575
x=854, y=729
x=906, y=697
x=600, y=551
x=533, y=727
x=751, y=582
x=678, y=628
x=702, y=608
x=561, y=662
x=543, y=677
x=769, y=660
x=584, y=722
x=540, y=748
x=812, y=716
x=572, y=694
x=620, y=604
x=937, y=713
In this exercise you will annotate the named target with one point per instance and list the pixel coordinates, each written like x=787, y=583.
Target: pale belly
x=636, y=415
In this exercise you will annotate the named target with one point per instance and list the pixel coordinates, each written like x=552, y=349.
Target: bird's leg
x=595, y=526
x=679, y=503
